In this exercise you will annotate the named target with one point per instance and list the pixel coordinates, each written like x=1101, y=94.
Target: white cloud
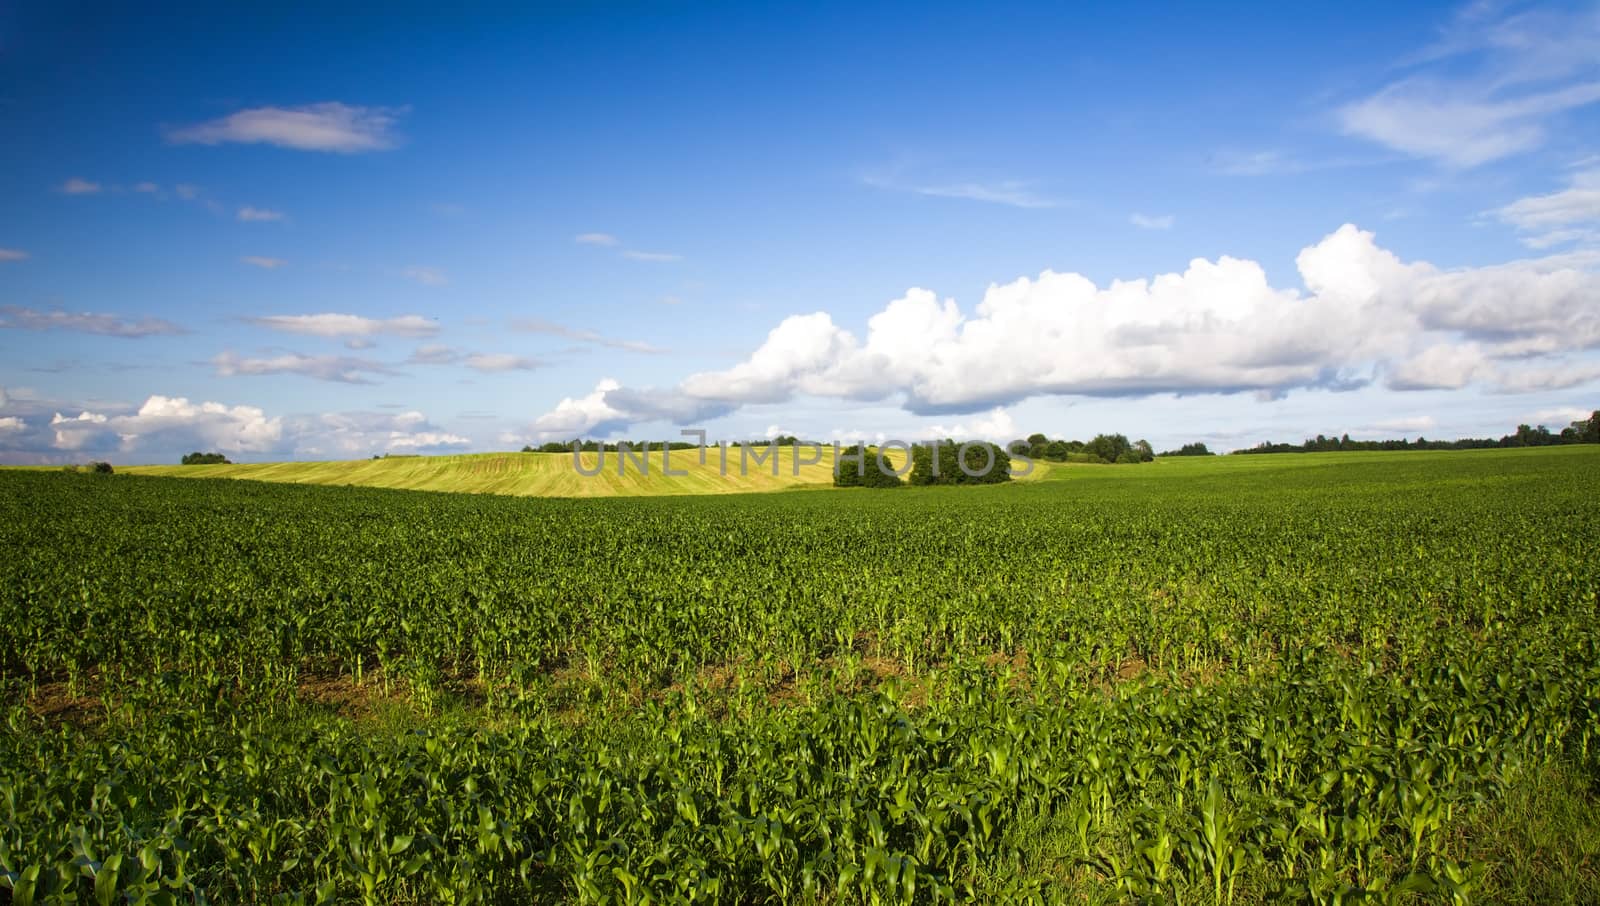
x=427, y=276
x=1217, y=327
x=1561, y=416
x=1489, y=90
x=1015, y=193
x=499, y=361
x=1428, y=119
x=146, y=188
x=1566, y=216
x=10, y=424
x=1152, y=222
x=186, y=191
x=329, y=126
x=595, y=239
x=1441, y=367
x=164, y=428
x=434, y=354
x=650, y=256
x=19, y=318
x=174, y=420
x=330, y=324
x=249, y=214
x=78, y=186
x=1012, y=192
x=13, y=255
x=539, y=325
x=340, y=369
x=364, y=433
x=997, y=426
x=264, y=262
x=581, y=416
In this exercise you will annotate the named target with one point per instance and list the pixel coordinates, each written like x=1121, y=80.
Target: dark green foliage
x=859, y=467
x=1194, y=449
x=948, y=463
x=1109, y=447
x=100, y=468
x=1586, y=431
x=204, y=459
x=1373, y=680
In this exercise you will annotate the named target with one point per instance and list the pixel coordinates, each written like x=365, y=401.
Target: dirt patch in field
x=57, y=704
x=339, y=692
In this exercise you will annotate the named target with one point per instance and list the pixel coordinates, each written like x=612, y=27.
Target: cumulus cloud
x=13, y=255
x=1216, y=327
x=337, y=368
x=264, y=262
x=576, y=416
x=539, y=325
x=174, y=420
x=332, y=324
x=363, y=433
x=1488, y=90
x=163, y=428
x=997, y=426
x=17, y=317
x=80, y=186
x=250, y=214
x=330, y=126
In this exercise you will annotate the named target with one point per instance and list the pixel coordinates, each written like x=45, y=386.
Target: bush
x=941, y=463
x=857, y=467
x=204, y=459
x=100, y=468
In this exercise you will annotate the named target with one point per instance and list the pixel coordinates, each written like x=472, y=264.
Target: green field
x=1327, y=677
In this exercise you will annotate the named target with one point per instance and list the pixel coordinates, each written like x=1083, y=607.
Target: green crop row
x=1208, y=685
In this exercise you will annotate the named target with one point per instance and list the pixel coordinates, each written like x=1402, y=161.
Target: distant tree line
x=1585, y=431
x=1104, y=449
x=1195, y=449
x=204, y=459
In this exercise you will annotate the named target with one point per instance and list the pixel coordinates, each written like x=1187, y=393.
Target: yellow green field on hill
x=543, y=474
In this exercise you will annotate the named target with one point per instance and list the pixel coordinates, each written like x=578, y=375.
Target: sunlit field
x=1232, y=679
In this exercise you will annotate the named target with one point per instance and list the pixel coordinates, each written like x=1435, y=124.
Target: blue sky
x=290, y=234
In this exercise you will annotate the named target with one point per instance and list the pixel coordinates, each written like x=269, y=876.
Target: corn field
x=1214, y=682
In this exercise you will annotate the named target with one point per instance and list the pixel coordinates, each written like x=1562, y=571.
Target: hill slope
x=542, y=474
x=532, y=474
